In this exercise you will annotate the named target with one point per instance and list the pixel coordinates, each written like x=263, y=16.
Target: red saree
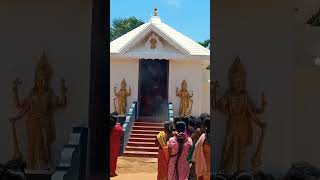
x=115, y=137
x=163, y=156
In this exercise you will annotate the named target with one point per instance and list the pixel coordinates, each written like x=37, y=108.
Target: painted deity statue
x=39, y=107
x=122, y=96
x=185, y=99
x=242, y=114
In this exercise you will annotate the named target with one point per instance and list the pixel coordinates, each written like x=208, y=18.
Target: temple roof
x=186, y=46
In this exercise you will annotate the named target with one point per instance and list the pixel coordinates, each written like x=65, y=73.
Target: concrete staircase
x=142, y=139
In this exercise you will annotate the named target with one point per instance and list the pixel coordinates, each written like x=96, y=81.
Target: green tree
x=314, y=20
x=205, y=43
x=121, y=26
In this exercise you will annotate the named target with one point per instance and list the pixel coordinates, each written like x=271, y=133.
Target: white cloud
x=176, y=3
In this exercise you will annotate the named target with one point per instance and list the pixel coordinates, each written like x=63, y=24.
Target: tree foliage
x=121, y=26
x=205, y=43
x=314, y=20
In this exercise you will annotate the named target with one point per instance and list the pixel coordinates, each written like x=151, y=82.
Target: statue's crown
x=43, y=68
x=123, y=81
x=237, y=68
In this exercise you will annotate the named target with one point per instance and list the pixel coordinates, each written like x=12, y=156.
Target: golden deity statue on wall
x=122, y=96
x=242, y=113
x=39, y=107
x=185, y=99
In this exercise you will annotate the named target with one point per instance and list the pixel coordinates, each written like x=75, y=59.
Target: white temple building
x=154, y=59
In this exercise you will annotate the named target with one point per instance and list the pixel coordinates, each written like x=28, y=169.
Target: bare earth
x=136, y=168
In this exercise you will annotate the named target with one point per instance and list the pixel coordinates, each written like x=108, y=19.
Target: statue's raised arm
x=61, y=101
x=252, y=113
x=17, y=100
x=222, y=105
x=178, y=92
x=191, y=95
x=115, y=91
x=263, y=105
x=129, y=92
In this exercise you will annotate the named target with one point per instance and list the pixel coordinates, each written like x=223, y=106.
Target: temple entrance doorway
x=153, y=88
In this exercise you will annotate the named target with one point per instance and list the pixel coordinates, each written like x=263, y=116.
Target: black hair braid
x=181, y=142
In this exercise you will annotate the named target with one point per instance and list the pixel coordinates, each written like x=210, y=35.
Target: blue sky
x=190, y=17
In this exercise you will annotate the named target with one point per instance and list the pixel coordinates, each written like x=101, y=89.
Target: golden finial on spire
x=155, y=12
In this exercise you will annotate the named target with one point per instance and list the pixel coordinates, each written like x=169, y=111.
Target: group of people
x=184, y=149
x=13, y=170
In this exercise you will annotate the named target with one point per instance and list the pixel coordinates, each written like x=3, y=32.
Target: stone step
x=148, y=124
x=142, y=148
x=142, y=139
x=140, y=154
x=155, y=132
x=135, y=135
x=153, y=128
x=142, y=144
x=149, y=119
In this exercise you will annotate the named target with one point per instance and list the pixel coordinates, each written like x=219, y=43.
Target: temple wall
x=129, y=70
x=193, y=72
x=277, y=50
x=259, y=32
x=306, y=88
x=63, y=30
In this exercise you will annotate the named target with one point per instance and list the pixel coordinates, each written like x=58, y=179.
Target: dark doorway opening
x=153, y=88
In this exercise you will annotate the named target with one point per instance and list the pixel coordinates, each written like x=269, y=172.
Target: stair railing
x=170, y=112
x=127, y=126
x=72, y=165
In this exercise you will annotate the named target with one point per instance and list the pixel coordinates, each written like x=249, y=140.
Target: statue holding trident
x=185, y=99
x=242, y=114
x=38, y=107
x=122, y=96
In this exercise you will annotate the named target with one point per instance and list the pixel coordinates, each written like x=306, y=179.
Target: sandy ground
x=134, y=168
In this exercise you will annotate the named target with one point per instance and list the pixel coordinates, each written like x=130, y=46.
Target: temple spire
x=155, y=18
x=155, y=12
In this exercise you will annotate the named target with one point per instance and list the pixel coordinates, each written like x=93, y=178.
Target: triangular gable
x=183, y=45
x=143, y=37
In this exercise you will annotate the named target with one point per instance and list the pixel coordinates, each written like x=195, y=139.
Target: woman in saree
x=201, y=155
x=163, y=154
x=178, y=147
x=115, y=137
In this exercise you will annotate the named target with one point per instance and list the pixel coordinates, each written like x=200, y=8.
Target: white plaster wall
x=306, y=87
x=193, y=72
x=278, y=52
x=63, y=30
x=261, y=33
x=306, y=116
x=129, y=70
